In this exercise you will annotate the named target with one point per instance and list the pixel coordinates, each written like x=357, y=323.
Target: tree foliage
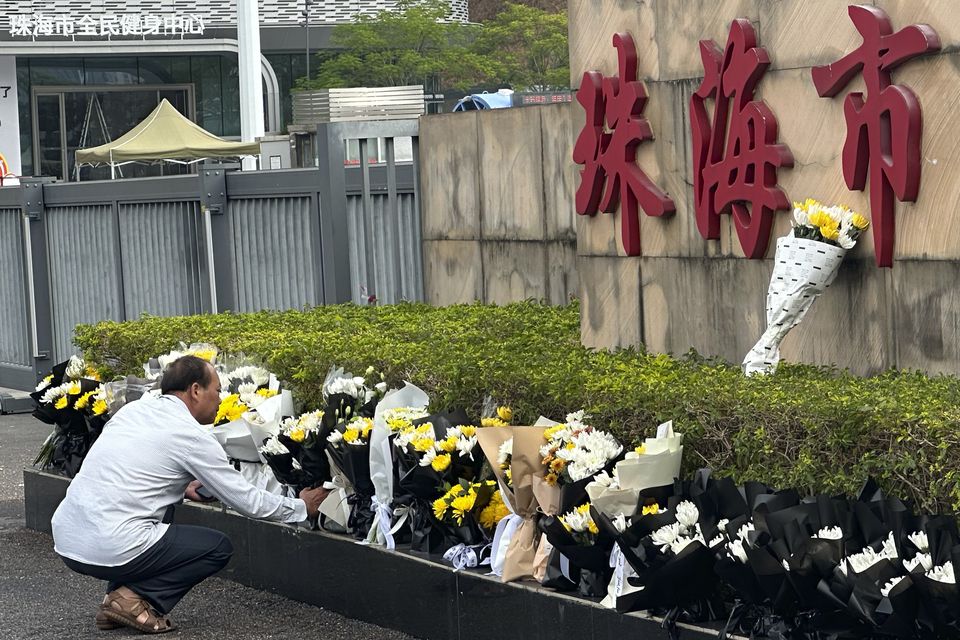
x=522, y=47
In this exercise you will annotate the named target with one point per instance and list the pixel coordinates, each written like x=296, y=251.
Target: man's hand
x=191, y=492
x=313, y=498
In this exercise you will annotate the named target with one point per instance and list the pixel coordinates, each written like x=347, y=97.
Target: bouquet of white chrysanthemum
x=297, y=453
x=71, y=399
x=347, y=396
x=806, y=263
x=579, y=552
x=348, y=447
x=573, y=453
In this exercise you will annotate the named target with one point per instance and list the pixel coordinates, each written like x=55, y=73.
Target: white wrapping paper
x=802, y=270
x=381, y=460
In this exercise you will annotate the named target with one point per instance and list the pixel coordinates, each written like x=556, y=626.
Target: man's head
x=195, y=381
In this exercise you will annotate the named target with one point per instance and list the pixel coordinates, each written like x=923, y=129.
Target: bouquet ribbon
x=461, y=557
x=380, y=532
x=506, y=528
x=565, y=568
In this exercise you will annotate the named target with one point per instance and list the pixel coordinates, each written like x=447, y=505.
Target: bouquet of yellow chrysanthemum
x=348, y=446
x=434, y=452
x=579, y=555
x=155, y=367
x=806, y=263
x=71, y=399
x=460, y=512
x=296, y=452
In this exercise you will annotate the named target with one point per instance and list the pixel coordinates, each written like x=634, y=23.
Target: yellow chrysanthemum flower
x=84, y=400
x=230, y=409
x=859, y=221
x=592, y=527
x=650, y=509
x=493, y=422
x=99, y=407
x=830, y=232
x=61, y=402
x=551, y=479
x=399, y=425
x=425, y=429
x=92, y=373
x=423, y=444
x=441, y=463
x=461, y=506
x=48, y=379
x=206, y=354
x=550, y=432
x=468, y=431
x=642, y=449
x=366, y=426
x=439, y=508
x=449, y=445
x=74, y=389
x=351, y=435
x=505, y=413
x=558, y=465
x=266, y=393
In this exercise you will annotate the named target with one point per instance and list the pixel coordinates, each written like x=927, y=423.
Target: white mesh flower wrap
x=802, y=270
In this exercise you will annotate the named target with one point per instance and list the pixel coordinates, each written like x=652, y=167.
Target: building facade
x=82, y=72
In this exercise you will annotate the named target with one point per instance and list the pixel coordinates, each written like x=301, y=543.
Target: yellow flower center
x=61, y=402
x=441, y=462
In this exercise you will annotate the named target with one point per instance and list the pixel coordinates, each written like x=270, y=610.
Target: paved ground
x=41, y=598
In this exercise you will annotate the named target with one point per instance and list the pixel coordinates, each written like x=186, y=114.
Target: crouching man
x=152, y=454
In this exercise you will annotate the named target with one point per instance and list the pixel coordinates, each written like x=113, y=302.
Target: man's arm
x=207, y=462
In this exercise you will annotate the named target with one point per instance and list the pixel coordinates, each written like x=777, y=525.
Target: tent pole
x=113, y=171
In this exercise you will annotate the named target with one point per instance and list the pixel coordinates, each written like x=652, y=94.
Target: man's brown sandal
x=125, y=608
x=104, y=623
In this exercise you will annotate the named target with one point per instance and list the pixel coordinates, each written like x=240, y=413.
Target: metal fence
x=219, y=240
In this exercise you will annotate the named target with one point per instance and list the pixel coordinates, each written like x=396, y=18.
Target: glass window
x=205, y=75
x=26, y=119
x=49, y=146
x=56, y=71
x=164, y=69
x=231, y=96
x=112, y=70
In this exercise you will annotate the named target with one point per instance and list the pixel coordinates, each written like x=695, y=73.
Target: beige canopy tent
x=165, y=135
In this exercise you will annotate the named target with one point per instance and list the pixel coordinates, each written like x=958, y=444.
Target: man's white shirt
x=142, y=462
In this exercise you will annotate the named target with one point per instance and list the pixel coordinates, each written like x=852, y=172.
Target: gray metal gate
x=220, y=240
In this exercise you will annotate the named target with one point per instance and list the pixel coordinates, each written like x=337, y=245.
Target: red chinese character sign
x=883, y=128
x=607, y=147
x=735, y=152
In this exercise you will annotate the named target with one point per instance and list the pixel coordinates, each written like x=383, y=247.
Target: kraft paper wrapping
x=524, y=466
x=802, y=270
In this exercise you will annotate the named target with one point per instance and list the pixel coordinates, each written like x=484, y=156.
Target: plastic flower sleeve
x=381, y=459
x=802, y=270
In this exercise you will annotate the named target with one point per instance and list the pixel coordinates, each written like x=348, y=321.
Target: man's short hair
x=183, y=372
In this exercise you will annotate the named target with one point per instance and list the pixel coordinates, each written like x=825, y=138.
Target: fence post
x=335, y=241
x=217, y=285
x=39, y=303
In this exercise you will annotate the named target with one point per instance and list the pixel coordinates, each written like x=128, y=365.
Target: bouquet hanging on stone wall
x=805, y=264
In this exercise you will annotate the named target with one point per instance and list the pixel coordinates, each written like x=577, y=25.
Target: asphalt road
x=41, y=598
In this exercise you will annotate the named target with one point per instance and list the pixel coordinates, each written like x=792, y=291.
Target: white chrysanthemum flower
x=744, y=532
x=620, y=522
x=343, y=386
x=576, y=419
x=891, y=583
x=381, y=387
x=246, y=388
x=505, y=452
x=717, y=541
x=920, y=560
x=335, y=437
x=801, y=217
x=428, y=457
x=845, y=241
x=465, y=446
x=52, y=394
x=274, y=447
x=829, y=533
x=76, y=367
x=943, y=573
x=665, y=535
x=681, y=543
x=889, y=549
x=736, y=551
x=860, y=562
x=249, y=373
x=604, y=479
x=687, y=514
x=919, y=540
x=310, y=421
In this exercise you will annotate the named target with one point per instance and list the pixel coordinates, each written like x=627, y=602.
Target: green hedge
x=813, y=428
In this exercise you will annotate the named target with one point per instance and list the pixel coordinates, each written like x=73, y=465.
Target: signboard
x=39, y=25
x=9, y=122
